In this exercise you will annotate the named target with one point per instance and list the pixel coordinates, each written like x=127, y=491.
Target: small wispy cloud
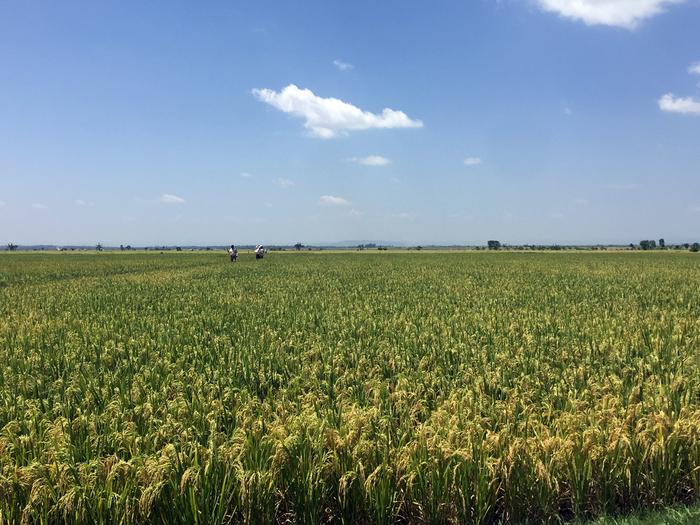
x=343, y=66
x=39, y=206
x=694, y=69
x=355, y=213
x=371, y=160
x=169, y=198
x=568, y=111
x=246, y=175
x=472, y=161
x=332, y=200
x=682, y=105
x=556, y=215
x=82, y=203
x=581, y=202
x=284, y=183
x=402, y=215
x=330, y=117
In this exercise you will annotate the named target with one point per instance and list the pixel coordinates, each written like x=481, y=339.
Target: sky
x=449, y=122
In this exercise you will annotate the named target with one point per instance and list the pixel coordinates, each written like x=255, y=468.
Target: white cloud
x=686, y=106
x=329, y=117
x=694, y=69
x=39, y=206
x=331, y=200
x=246, y=175
x=355, y=213
x=82, y=203
x=694, y=209
x=568, y=111
x=284, y=183
x=403, y=215
x=472, y=161
x=582, y=202
x=618, y=13
x=556, y=215
x=343, y=66
x=168, y=198
x=371, y=160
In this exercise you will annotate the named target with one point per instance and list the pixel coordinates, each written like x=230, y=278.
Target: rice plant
x=432, y=388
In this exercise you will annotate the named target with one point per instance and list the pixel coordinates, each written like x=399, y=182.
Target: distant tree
x=121, y=247
x=178, y=249
x=11, y=247
x=98, y=247
x=662, y=243
x=695, y=247
x=298, y=246
x=419, y=247
x=128, y=246
x=647, y=245
x=494, y=245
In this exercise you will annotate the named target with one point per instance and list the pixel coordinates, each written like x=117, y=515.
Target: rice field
x=469, y=387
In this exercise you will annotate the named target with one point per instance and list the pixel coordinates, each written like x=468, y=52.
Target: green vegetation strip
x=349, y=388
x=672, y=516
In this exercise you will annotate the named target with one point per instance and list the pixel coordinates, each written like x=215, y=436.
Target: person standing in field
x=233, y=253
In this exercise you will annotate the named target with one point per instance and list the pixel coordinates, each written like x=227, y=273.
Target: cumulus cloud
x=168, y=198
x=284, y=183
x=329, y=117
x=694, y=69
x=246, y=175
x=343, y=66
x=332, y=200
x=619, y=13
x=472, y=161
x=684, y=105
x=371, y=160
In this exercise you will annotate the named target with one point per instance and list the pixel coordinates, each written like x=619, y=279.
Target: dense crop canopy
x=454, y=387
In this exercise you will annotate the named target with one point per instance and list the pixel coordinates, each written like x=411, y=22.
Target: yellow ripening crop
x=468, y=387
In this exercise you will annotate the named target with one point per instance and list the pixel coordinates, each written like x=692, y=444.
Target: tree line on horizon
x=644, y=245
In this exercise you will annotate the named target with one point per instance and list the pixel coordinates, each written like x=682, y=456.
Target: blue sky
x=538, y=121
